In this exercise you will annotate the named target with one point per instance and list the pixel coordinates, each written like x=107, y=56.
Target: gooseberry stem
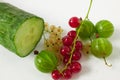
x=109, y=65
x=71, y=53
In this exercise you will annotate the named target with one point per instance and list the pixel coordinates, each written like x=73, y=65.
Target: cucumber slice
x=28, y=35
x=20, y=31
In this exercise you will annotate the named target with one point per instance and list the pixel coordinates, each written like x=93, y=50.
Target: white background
x=58, y=12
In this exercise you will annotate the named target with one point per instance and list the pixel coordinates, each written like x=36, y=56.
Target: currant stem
x=109, y=65
x=89, y=9
x=71, y=53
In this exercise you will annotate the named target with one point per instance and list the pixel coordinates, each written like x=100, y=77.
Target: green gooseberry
x=104, y=28
x=87, y=29
x=101, y=47
x=46, y=61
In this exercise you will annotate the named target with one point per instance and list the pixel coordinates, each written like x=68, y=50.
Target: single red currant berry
x=69, y=67
x=78, y=45
x=67, y=41
x=65, y=50
x=56, y=75
x=67, y=74
x=74, y=22
x=75, y=67
x=72, y=34
x=76, y=55
x=66, y=59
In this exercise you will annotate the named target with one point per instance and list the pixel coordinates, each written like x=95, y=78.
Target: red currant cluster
x=71, y=52
x=67, y=46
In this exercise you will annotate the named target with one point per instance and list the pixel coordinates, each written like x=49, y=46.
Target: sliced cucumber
x=19, y=31
x=28, y=35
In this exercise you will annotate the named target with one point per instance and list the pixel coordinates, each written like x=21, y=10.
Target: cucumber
x=19, y=31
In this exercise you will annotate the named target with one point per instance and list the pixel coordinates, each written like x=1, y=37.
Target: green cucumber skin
x=10, y=20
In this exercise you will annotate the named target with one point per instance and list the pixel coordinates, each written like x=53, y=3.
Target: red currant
x=78, y=45
x=67, y=40
x=74, y=22
x=66, y=59
x=72, y=34
x=56, y=75
x=75, y=67
x=76, y=55
x=67, y=74
x=65, y=50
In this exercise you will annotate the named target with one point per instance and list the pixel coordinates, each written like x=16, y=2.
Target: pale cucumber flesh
x=28, y=35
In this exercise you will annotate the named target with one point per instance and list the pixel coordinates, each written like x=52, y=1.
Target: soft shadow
x=85, y=70
x=115, y=54
x=115, y=40
x=116, y=35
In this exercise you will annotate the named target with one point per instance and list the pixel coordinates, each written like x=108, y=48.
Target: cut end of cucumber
x=28, y=35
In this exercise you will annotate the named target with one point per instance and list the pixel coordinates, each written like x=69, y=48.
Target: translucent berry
x=67, y=74
x=66, y=59
x=67, y=40
x=65, y=50
x=72, y=34
x=76, y=55
x=75, y=67
x=56, y=75
x=78, y=45
x=74, y=22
